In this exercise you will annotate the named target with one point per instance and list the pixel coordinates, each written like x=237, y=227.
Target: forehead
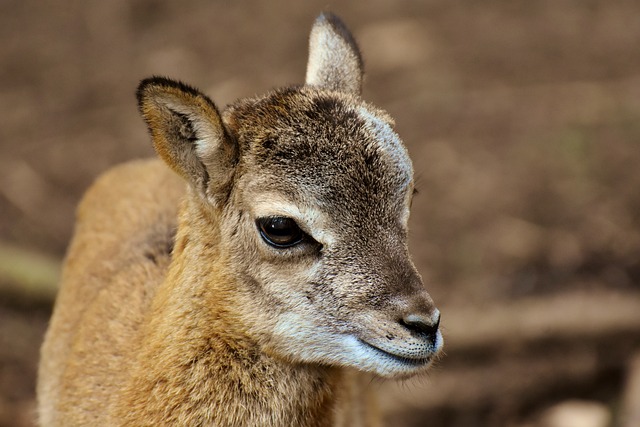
x=332, y=146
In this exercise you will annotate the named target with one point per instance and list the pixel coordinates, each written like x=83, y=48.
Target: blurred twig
x=27, y=273
x=631, y=399
x=566, y=316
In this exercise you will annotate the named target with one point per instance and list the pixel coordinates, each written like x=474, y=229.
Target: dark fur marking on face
x=268, y=144
x=333, y=112
x=324, y=106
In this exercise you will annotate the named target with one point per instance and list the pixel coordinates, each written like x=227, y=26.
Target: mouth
x=410, y=362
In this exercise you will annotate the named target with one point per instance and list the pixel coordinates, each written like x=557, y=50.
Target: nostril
x=421, y=325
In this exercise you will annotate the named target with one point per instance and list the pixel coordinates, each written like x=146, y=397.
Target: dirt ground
x=522, y=118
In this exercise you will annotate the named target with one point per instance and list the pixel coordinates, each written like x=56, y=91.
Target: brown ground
x=522, y=117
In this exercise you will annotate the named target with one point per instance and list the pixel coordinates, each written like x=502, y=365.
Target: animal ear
x=334, y=59
x=188, y=134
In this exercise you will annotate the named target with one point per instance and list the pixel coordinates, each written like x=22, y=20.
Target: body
x=260, y=276
x=132, y=262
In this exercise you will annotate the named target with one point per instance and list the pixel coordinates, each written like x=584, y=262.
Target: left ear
x=334, y=58
x=188, y=134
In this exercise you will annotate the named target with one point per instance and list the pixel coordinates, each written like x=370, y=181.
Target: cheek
x=239, y=240
x=282, y=277
x=289, y=282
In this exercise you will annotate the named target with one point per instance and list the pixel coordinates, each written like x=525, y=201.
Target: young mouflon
x=260, y=280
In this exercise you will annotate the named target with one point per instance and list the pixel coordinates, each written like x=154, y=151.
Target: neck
x=197, y=367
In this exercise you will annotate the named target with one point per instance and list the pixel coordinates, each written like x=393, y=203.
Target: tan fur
x=175, y=309
x=119, y=221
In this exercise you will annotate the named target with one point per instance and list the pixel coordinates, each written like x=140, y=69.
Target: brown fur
x=190, y=317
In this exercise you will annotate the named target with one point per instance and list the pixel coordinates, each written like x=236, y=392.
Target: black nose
x=422, y=325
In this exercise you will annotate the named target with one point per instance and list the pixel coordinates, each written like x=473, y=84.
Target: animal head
x=312, y=187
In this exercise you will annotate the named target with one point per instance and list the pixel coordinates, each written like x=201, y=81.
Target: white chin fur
x=314, y=345
x=384, y=363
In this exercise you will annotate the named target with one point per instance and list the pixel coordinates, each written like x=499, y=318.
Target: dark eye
x=280, y=232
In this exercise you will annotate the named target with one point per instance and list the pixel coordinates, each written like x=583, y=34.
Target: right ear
x=188, y=134
x=334, y=58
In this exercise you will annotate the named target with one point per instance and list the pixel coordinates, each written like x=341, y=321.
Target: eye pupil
x=280, y=232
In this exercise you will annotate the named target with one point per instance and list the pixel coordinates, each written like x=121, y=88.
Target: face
x=320, y=239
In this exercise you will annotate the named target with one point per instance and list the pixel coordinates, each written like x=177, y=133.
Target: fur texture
x=192, y=316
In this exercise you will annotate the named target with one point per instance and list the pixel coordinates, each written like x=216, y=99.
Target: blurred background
x=523, y=121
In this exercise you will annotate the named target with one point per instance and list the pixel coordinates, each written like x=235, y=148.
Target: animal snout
x=425, y=326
